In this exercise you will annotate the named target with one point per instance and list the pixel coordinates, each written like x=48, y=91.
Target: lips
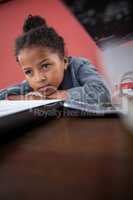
x=44, y=88
x=47, y=89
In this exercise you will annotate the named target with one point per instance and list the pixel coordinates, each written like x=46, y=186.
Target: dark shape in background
x=106, y=20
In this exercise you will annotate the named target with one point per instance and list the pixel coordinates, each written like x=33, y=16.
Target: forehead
x=35, y=54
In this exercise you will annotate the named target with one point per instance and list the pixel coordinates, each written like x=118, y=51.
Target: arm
x=15, y=90
x=93, y=88
x=3, y=94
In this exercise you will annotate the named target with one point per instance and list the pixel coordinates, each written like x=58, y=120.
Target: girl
x=49, y=73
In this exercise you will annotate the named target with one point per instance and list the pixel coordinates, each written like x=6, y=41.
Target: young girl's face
x=42, y=67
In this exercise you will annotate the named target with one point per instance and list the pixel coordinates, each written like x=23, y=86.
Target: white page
x=9, y=107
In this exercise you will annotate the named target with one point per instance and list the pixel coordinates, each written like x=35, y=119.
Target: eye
x=45, y=65
x=29, y=72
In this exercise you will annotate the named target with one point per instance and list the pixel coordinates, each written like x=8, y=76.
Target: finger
x=50, y=91
x=34, y=97
x=23, y=97
x=52, y=96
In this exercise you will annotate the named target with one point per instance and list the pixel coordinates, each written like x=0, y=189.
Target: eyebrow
x=46, y=59
x=26, y=68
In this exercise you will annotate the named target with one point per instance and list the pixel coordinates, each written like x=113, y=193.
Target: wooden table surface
x=69, y=158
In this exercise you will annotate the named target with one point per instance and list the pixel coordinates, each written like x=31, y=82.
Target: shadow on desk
x=19, y=124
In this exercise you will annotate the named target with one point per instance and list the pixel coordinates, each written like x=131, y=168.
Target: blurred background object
x=105, y=21
x=127, y=105
x=118, y=62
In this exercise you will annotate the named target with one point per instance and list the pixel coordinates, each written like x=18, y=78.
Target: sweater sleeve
x=18, y=89
x=93, y=88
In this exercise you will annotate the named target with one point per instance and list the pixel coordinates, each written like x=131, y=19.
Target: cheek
x=56, y=76
x=31, y=82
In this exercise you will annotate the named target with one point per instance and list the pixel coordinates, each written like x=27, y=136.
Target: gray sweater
x=81, y=80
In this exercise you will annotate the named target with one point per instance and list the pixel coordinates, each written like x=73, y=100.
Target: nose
x=39, y=77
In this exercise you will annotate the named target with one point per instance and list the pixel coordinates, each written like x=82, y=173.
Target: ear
x=65, y=62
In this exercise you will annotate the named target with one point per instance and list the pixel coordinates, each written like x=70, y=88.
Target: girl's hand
x=59, y=94
x=29, y=96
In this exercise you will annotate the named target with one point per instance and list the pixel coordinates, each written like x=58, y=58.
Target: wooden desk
x=69, y=158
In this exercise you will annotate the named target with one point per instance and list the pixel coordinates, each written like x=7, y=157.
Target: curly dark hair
x=36, y=33
x=32, y=22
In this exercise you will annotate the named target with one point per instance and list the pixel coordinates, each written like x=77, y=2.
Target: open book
x=15, y=114
x=8, y=107
x=11, y=107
